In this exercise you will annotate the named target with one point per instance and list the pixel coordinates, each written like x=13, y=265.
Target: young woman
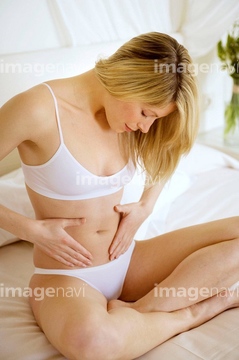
x=80, y=140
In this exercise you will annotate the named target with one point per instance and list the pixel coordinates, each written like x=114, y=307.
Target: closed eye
x=142, y=113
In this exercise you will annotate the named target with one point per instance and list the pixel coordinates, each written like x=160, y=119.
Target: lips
x=128, y=128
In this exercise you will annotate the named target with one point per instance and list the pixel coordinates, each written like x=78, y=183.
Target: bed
x=203, y=188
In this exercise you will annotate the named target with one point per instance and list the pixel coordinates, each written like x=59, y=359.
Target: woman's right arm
x=49, y=235
x=21, y=121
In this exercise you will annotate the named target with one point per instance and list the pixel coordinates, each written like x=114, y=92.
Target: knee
x=94, y=338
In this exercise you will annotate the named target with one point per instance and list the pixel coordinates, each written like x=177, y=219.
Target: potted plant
x=228, y=53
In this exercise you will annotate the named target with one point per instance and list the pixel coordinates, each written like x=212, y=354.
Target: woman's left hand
x=132, y=216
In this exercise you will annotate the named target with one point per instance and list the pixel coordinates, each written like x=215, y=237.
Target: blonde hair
x=155, y=69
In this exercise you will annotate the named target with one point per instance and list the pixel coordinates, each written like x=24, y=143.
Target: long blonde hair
x=155, y=69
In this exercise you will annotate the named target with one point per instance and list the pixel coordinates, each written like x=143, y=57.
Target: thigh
x=63, y=304
x=154, y=259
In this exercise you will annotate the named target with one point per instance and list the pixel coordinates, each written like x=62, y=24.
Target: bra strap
x=57, y=112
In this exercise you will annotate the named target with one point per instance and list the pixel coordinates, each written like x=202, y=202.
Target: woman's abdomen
x=96, y=234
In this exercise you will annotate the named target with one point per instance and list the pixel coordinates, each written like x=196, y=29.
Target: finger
x=113, y=246
x=119, y=250
x=78, y=260
x=70, y=244
x=69, y=261
x=60, y=256
x=73, y=222
x=80, y=251
x=120, y=208
x=72, y=257
x=117, y=254
x=117, y=239
x=70, y=250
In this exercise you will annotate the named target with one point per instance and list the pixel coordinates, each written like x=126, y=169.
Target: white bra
x=64, y=178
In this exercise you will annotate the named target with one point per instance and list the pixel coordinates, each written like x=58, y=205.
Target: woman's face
x=132, y=116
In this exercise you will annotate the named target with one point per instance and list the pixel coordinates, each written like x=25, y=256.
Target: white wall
x=27, y=25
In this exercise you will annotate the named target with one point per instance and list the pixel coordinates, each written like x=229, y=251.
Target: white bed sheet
x=205, y=187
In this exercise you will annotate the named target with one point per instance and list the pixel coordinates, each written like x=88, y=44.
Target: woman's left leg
x=166, y=271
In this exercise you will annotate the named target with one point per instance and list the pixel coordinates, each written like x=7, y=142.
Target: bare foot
x=140, y=306
x=113, y=304
x=224, y=300
x=209, y=308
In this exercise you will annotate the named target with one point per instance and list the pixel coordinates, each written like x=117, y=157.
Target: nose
x=144, y=127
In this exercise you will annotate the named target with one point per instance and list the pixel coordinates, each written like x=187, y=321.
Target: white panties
x=107, y=278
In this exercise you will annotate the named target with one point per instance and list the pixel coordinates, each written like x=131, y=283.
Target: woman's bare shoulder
x=32, y=102
x=24, y=117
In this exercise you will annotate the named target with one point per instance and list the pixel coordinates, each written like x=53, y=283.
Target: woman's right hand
x=51, y=237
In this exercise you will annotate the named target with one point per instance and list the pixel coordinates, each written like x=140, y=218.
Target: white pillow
x=203, y=158
x=14, y=196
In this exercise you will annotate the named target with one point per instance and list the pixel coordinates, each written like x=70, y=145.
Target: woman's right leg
x=75, y=319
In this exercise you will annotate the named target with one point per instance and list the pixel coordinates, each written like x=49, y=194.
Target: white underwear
x=107, y=278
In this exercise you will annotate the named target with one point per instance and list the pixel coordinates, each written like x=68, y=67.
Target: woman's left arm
x=132, y=216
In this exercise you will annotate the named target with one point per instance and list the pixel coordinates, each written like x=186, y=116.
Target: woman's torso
x=93, y=146
x=96, y=234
